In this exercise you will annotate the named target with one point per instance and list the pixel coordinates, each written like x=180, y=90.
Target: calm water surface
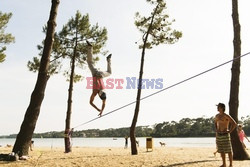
x=118, y=142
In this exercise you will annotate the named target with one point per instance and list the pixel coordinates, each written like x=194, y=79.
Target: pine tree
x=239, y=153
x=70, y=43
x=156, y=29
x=23, y=139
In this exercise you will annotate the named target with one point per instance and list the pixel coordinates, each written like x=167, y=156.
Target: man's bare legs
x=223, y=156
x=95, y=72
x=230, y=155
x=90, y=61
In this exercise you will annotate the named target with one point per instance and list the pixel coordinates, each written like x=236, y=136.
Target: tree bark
x=21, y=146
x=138, y=99
x=239, y=153
x=69, y=107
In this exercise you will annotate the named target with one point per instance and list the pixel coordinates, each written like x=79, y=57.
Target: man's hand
x=100, y=114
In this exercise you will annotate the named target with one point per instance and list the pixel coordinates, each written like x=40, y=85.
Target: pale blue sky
x=207, y=42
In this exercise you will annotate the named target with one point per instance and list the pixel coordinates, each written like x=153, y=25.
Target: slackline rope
x=178, y=83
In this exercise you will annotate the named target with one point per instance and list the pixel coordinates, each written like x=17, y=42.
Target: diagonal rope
x=178, y=83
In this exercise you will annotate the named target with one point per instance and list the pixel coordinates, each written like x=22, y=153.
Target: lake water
x=118, y=142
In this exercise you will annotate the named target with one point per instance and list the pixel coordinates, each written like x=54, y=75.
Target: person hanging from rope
x=98, y=86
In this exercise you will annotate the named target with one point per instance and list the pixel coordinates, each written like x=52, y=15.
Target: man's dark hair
x=222, y=106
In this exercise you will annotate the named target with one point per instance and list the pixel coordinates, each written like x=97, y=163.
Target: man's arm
x=92, y=97
x=233, y=123
x=103, y=104
x=215, y=123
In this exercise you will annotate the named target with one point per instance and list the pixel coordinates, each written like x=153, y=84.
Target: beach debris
x=23, y=157
x=12, y=157
x=9, y=157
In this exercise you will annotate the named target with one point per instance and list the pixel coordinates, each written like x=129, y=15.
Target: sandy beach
x=114, y=157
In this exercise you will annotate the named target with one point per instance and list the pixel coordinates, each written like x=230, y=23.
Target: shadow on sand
x=187, y=163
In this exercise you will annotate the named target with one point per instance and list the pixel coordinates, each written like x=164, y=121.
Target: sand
x=116, y=157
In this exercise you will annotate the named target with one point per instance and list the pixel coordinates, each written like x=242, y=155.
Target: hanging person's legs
x=90, y=62
x=95, y=72
x=98, y=87
x=109, y=71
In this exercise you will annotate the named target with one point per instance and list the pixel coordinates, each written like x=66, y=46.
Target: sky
x=207, y=42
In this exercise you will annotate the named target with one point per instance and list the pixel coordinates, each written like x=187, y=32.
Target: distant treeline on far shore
x=186, y=127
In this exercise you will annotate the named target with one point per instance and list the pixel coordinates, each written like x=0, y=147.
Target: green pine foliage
x=5, y=38
x=72, y=36
x=158, y=26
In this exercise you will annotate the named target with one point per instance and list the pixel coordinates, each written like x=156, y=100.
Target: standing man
x=224, y=125
x=126, y=142
x=98, y=87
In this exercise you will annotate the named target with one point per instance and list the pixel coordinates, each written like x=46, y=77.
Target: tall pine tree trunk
x=239, y=153
x=69, y=107
x=138, y=98
x=137, y=108
x=24, y=136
